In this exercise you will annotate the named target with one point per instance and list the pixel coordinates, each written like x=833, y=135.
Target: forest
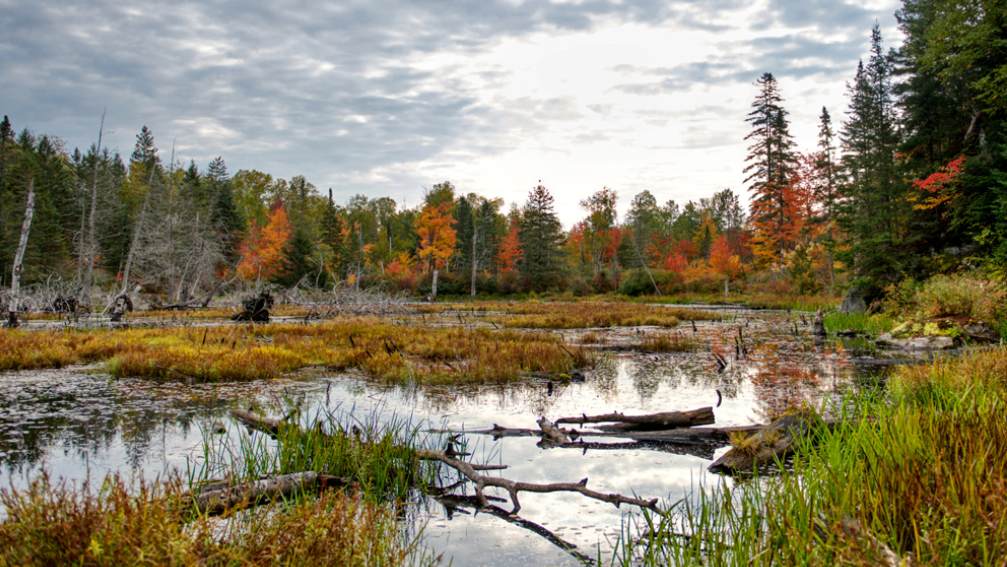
x=209, y=366
x=909, y=181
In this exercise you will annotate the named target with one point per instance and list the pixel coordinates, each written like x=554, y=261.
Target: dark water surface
x=77, y=423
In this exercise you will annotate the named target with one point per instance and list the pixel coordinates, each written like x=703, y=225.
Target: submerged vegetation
x=244, y=352
x=917, y=474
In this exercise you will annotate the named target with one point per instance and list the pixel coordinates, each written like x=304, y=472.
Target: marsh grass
x=244, y=352
x=751, y=300
x=51, y=523
x=921, y=470
x=869, y=324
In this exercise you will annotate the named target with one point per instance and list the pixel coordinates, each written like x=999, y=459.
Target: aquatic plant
x=872, y=324
x=669, y=342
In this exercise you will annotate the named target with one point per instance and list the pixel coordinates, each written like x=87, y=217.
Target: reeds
x=669, y=342
x=864, y=323
x=920, y=473
x=576, y=314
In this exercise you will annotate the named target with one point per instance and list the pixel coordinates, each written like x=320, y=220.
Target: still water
x=78, y=423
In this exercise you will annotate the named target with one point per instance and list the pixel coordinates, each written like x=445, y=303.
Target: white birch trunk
x=15, y=283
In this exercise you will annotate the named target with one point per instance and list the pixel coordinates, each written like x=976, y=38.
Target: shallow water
x=77, y=423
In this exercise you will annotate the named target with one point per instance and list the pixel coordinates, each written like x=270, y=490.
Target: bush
x=958, y=295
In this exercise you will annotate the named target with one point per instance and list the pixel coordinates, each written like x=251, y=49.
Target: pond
x=77, y=423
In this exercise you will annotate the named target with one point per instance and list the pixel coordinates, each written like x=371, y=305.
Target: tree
x=876, y=211
x=770, y=169
x=724, y=262
x=224, y=216
x=435, y=228
x=262, y=251
x=510, y=249
x=541, y=238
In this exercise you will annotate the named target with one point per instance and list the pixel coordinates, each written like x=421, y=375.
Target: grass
x=863, y=323
x=575, y=314
x=55, y=524
x=244, y=352
x=920, y=470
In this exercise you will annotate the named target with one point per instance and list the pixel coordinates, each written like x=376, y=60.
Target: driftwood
x=651, y=422
x=470, y=471
x=772, y=442
x=215, y=500
x=258, y=422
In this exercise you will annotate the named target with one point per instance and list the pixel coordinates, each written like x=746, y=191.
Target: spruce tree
x=224, y=215
x=876, y=210
x=541, y=236
x=771, y=163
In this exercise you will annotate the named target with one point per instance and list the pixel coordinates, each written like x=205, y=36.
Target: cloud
x=386, y=97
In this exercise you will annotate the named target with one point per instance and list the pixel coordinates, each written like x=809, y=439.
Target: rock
x=934, y=342
x=980, y=332
x=853, y=302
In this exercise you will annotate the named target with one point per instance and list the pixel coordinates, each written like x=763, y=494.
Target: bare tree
x=92, y=241
x=15, y=283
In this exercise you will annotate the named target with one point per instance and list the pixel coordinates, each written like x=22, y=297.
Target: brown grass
x=244, y=352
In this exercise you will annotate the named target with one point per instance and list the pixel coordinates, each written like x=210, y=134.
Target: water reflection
x=78, y=423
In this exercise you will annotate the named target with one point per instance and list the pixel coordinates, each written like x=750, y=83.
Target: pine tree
x=145, y=152
x=224, y=215
x=541, y=239
x=771, y=164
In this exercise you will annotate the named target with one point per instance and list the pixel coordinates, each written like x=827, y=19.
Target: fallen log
x=650, y=422
x=469, y=471
x=258, y=422
x=230, y=498
x=772, y=442
x=683, y=435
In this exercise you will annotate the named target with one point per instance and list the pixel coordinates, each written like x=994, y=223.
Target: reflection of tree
x=790, y=375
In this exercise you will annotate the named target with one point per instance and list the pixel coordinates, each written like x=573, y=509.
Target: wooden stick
x=551, y=433
x=514, y=487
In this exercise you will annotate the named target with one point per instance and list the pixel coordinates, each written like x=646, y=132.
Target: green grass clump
x=872, y=324
x=919, y=473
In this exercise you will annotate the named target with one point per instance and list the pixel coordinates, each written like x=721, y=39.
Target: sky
x=386, y=98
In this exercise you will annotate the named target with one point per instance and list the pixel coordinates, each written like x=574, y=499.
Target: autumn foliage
x=435, y=228
x=262, y=251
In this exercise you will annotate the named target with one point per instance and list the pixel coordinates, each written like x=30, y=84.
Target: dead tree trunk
x=15, y=282
x=651, y=422
x=92, y=241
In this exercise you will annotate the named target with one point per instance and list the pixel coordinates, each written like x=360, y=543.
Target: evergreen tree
x=771, y=164
x=224, y=215
x=145, y=152
x=541, y=238
x=876, y=210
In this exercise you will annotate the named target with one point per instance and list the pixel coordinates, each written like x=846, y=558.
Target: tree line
x=911, y=181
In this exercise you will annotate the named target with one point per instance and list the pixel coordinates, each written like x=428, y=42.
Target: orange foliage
x=721, y=259
x=262, y=250
x=510, y=250
x=437, y=235
x=676, y=262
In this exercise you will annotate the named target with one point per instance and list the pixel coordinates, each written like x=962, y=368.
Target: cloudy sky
x=386, y=98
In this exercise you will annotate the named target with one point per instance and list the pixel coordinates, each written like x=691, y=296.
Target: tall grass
x=576, y=314
x=872, y=324
x=920, y=471
x=55, y=524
